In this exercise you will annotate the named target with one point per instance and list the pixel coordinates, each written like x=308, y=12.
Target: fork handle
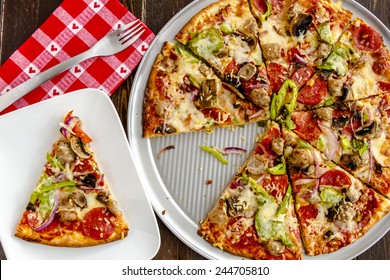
x=21, y=90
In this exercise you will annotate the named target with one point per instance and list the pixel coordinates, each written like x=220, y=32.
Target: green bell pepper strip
x=186, y=55
x=215, y=153
x=286, y=201
x=325, y=33
x=279, y=169
x=282, y=99
x=206, y=42
x=35, y=195
x=260, y=190
x=54, y=161
x=330, y=196
x=289, y=122
x=338, y=60
x=303, y=144
x=274, y=228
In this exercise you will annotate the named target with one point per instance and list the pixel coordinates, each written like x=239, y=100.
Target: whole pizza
x=317, y=79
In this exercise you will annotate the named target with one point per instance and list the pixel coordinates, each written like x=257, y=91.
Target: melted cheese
x=363, y=84
x=376, y=146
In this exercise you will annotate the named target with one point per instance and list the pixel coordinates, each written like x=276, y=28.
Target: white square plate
x=28, y=134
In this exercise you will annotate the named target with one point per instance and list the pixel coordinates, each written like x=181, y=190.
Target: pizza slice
x=296, y=36
x=254, y=217
x=184, y=95
x=352, y=134
x=334, y=208
x=359, y=65
x=72, y=204
x=224, y=34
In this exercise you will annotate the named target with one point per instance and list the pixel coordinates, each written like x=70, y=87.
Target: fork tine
x=126, y=32
x=132, y=38
x=127, y=26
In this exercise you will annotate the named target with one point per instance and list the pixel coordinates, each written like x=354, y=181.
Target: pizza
x=72, y=204
x=353, y=134
x=184, y=94
x=225, y=35
x=255, y=217
x=317, y=80
x=334, y=208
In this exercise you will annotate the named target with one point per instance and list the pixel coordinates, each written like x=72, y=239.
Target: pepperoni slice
x=97, y=224
x=276, y=75
x=381, y=66
x=384, y=86
x=276, y=185
x=336, y=178
x=302, y=75
x=308, y=212
x=367, y=38
x=306, y=125
x=261, y=6
x=313, y=94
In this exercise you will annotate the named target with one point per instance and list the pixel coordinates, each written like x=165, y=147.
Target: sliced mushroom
x=208, y=94
x=300, y=24
x=351, y=161
x=234, y=207
x=340, y=122
x=366, y=131
x=78, y=198
x=102, y=197
x=165, y=129
x=78, y=147
x=247, y=72
x=233, y=89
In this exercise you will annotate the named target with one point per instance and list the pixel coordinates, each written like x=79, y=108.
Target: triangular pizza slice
x=184, y=95
x=72, y=204
x=296, y=36
x=334, y=208
x=254, y=217
x=353, y=134
x=225, y=35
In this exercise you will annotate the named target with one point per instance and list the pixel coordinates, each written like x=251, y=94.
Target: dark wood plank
x=20, y=18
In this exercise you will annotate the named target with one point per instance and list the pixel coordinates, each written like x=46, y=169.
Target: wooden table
x=20, y=18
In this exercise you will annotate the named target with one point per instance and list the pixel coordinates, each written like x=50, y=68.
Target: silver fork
x=112, y=43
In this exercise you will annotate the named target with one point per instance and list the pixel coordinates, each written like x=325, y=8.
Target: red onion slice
x=257, y=114
x=300, y=59
x=234, y=150
x=52, y=214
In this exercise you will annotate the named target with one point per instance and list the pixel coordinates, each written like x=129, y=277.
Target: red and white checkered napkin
x=74, y=27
